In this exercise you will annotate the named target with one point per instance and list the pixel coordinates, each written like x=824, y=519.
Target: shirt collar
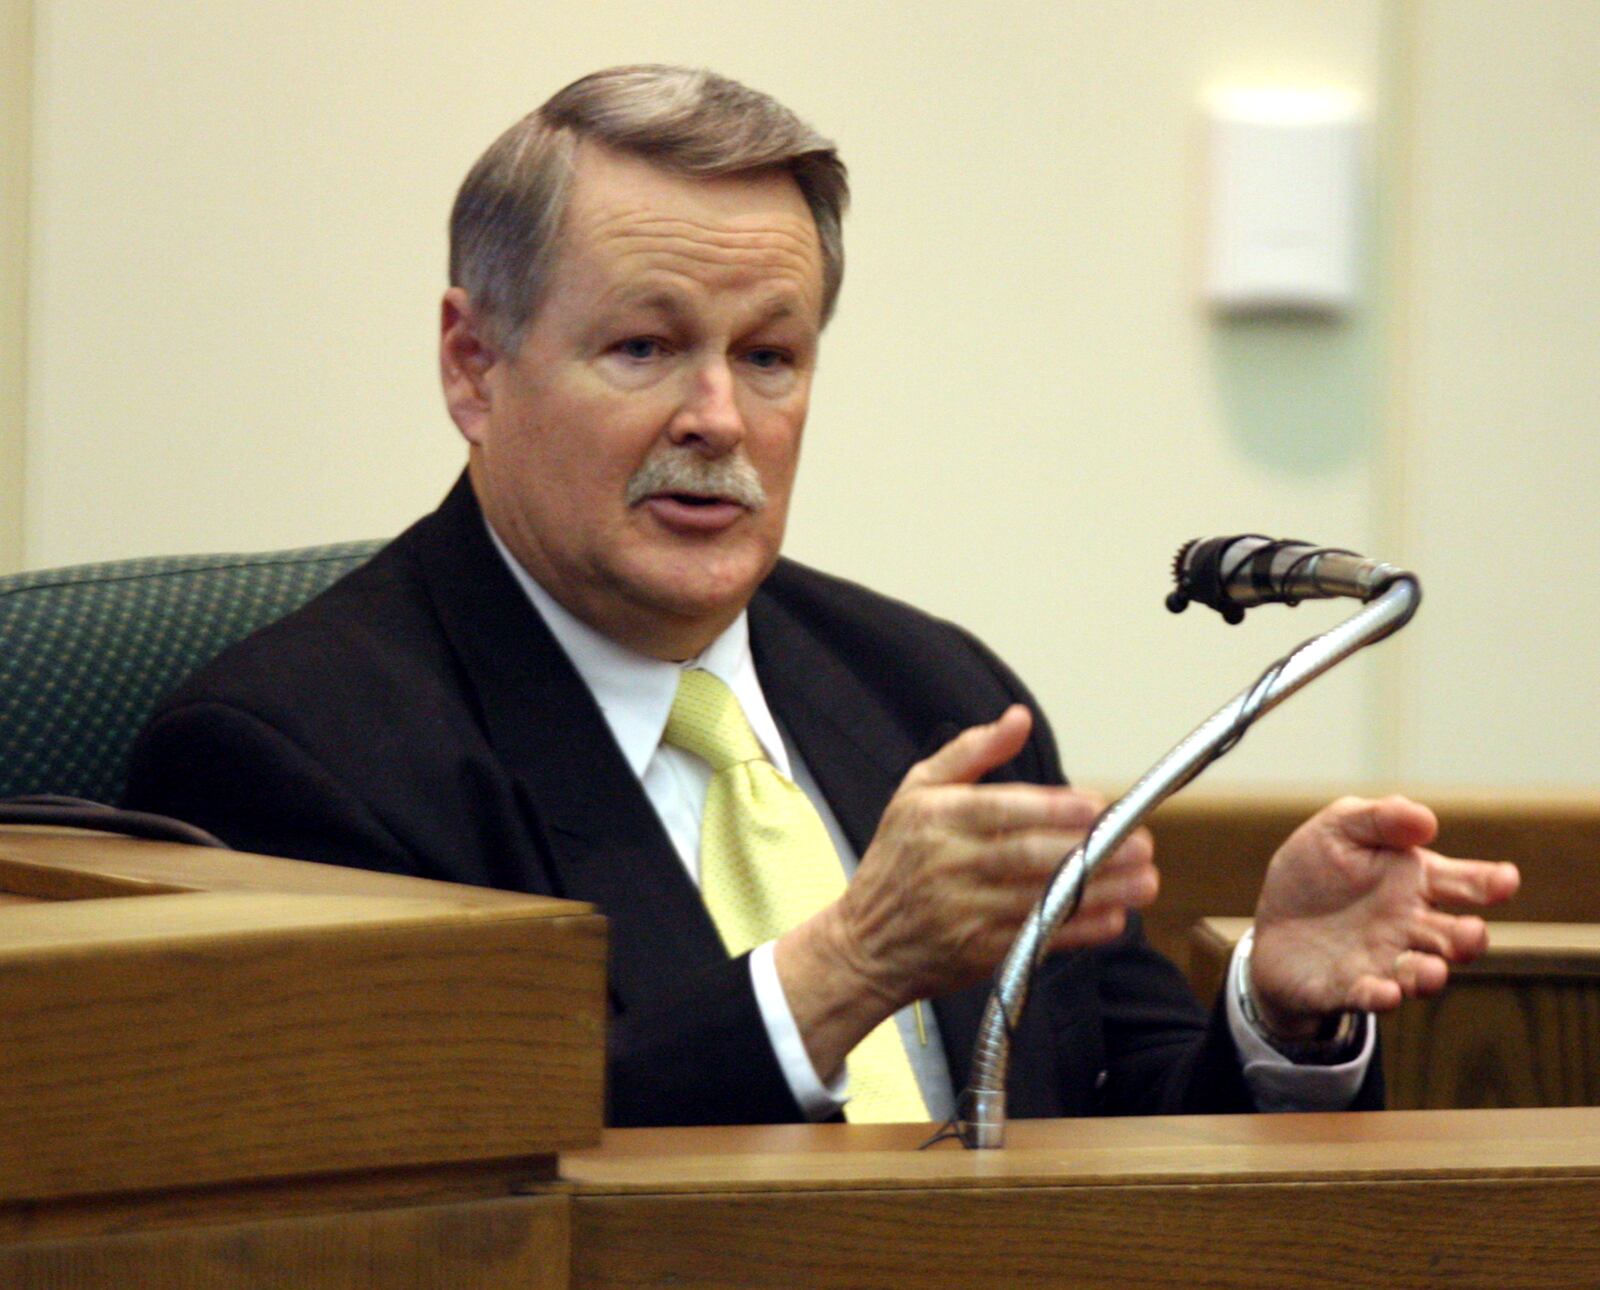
x=635, y=692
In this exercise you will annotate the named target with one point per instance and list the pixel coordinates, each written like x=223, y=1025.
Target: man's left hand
x=1349, y=915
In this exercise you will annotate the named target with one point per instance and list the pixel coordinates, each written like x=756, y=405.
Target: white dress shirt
x=635, y=694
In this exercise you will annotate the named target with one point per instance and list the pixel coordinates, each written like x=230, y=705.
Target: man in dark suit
x=641, y=271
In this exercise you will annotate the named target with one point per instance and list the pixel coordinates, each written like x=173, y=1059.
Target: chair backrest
x=87, y=652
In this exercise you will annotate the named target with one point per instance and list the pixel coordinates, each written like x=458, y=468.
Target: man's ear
x=465, y=357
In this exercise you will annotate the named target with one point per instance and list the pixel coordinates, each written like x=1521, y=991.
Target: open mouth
x=699, y=499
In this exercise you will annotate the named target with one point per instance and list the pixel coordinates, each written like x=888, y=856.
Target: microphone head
x=1232, y=574
x=1178, y=598
x=1203, y=567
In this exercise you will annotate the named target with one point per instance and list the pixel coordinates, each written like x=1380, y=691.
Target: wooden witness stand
x=259, y=1073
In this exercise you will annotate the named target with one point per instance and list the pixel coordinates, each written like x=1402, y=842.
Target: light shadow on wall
x=1298, y=394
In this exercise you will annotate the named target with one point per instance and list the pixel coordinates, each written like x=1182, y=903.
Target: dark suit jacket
x=419, y=718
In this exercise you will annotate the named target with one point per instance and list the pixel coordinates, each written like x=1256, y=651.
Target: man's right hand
x=943, y=889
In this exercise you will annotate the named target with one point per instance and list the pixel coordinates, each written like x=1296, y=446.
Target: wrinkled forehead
x=630, y=222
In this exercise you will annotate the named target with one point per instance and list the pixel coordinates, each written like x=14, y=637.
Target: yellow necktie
x=767, y=864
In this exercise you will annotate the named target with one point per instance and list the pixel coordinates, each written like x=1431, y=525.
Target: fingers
x=956, y=866
x=1399, y=824
x=975, y=751
x=1127, y=880
x=988, y=884
x=1020, y=856
x=1468, y=882
x=1376, y=994
x=1412, y=975
x=1389, y=823
x=1453, y=939
x=1423, y=971
x=1088, y=928
x=1026, y=860
x=1419, y=975
x=986, y=809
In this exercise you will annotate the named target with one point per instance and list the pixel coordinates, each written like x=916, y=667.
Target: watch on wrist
x=1337, y=1039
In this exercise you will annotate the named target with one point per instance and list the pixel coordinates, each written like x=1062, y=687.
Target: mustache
x=683, y=470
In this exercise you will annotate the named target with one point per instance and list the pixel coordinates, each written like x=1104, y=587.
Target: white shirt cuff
x=1276, y=1083
x=818, y=1101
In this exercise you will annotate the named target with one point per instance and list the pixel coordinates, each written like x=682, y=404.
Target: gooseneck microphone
x=1232, y=574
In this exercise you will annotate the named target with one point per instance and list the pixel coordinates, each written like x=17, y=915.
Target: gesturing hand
x=944, y=887
x=1349, y=914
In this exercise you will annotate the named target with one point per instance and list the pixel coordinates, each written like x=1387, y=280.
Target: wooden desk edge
x=69, y=864
x=1515, y=948
x=1142, y=1151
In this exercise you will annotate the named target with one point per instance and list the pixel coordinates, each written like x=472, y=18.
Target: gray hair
x=507, y=217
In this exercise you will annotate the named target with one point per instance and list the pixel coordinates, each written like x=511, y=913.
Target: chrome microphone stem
x=1326, y=574
x=983, y=1111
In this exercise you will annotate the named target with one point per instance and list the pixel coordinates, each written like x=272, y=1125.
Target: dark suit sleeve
x=1164, y=1056
x=233, y=774
x=236, y=775
x=699, y=1055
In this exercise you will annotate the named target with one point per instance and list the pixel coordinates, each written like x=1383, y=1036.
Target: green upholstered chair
x=87, y=652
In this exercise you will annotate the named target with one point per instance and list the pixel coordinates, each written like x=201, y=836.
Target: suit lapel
x=855, y=750
x=592, y=822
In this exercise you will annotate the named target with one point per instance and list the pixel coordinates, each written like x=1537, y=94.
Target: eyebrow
x=775, y=308
x=656, y=299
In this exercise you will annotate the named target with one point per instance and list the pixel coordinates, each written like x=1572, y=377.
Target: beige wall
x=1023, y=410
x=1501, y=437
x=16, y=48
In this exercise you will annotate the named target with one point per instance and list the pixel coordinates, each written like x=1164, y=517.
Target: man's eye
x=640, y=348
x=767, y=358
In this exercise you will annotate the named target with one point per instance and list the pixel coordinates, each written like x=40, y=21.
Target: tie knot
x=707, y=721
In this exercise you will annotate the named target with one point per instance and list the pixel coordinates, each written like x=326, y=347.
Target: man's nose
x=709, y=415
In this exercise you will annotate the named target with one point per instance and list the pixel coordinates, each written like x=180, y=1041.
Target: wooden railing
x=225, y=1072
x=222, y=1069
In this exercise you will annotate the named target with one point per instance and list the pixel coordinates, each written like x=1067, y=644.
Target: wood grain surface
x=79, y=1217
x=1349, y=1146
x=71, y=864
x=1458, y=1199
x=509, y=1244
x=1500, y=1235
x=252, y=1019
